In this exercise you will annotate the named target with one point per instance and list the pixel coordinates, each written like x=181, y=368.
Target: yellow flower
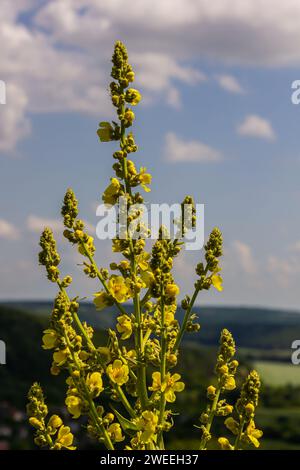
x=94, y=383
x=65, y=438
x=115, y=432
x=101, y=300
x=249, y=408
x=229, y=383
x=217, y=280
x=172, y=290
x=133, y=96
x=225, y=444
x=147, y=278
x=89, y=245
x=124, y=326
x=55, y=422
x=49, y=339
x=131, y=355
x=116, y=245
x=169, y=386
x=232, y=425
x=253, y=434
x=118, y=372
x=36, y=423
x=211, y=392
x=111, y=194
x=118, y=288
x=145, y=178
x=131, y=169
x=74, y=405
x=143, y=260
x=130, y=76
x=147, y=423
x=60, y=356
x=129, y=116
x=170, y=313
x=124, y=264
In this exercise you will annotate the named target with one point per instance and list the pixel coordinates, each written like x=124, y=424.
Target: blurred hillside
x=263, y=339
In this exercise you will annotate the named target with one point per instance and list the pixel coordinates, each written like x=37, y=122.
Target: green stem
x=92, y=408
x=210, y=419
x=238, y=437
x=77, y=320
x=48, y=437
x=146, y=337
x=187, y=316
x=146, y=297
x=185, y=320
x=163, y=351
x=124, y=401
x=141, y=372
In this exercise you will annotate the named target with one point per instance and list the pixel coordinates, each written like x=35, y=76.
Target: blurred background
x=216, y=121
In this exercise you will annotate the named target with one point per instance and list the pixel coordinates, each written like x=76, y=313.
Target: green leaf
x=124, y=422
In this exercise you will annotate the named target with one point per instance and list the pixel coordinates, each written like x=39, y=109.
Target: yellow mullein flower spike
x=152, y=330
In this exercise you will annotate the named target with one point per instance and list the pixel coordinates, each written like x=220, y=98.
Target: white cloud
x=230, y=83
x=285, y=270
x=156, y=72
x=260, y=32
x=179, y=150
x=59, y=60
x=295, y=247
x=8, y=230
x=37, y=224
x=256, y=126
x=14, y=126
x=244, y=257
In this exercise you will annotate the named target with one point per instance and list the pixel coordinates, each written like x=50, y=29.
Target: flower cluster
x=243, y=427
x=49, y=432
x=134, y=369
x=225, y=370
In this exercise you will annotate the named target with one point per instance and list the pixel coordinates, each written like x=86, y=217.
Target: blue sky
x=217, y=83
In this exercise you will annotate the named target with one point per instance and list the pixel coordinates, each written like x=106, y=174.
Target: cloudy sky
x=216, y=121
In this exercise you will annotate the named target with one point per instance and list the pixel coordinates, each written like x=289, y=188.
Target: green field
x=278, y=373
